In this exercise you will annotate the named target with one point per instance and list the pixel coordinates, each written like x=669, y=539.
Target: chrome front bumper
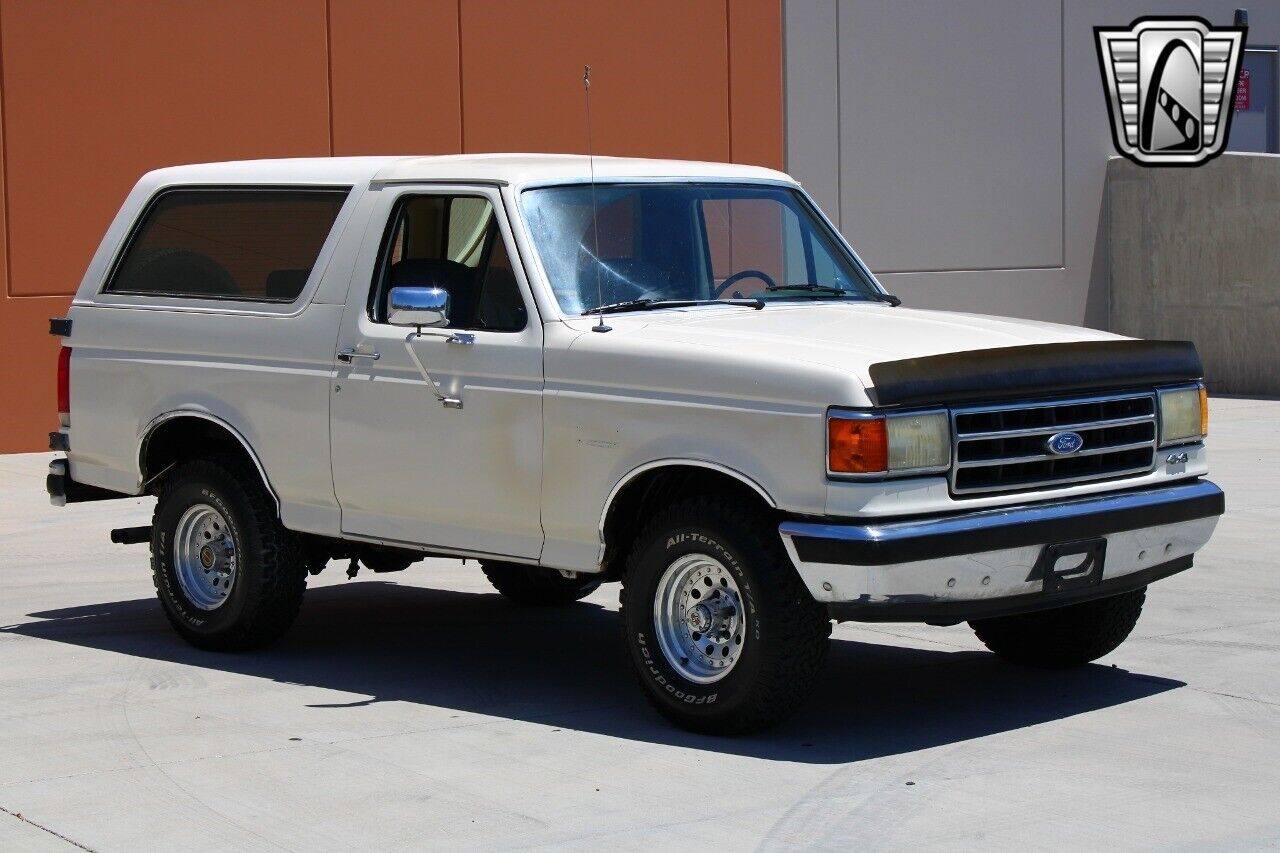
x=990, y=562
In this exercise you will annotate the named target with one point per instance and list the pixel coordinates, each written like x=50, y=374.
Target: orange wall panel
x=94, y=94
x=660, y=78
x=30, y=386
x=98, y=93
x=755, y=82
x=4, y=224
x=395, y=77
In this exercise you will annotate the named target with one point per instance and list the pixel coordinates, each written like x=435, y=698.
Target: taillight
x=64, y=382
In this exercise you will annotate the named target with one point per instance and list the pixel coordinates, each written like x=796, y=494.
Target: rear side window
x=256, y=245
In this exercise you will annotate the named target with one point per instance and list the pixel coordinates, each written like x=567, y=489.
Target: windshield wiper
x=830, y=290
x=654, y=304
x=886, y=297
x=807, y=288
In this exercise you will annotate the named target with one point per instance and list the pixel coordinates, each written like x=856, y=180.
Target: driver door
x=406, y=467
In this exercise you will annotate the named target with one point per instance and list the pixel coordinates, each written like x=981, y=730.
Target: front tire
x=1065, y=636
x=229, y=576
x=722, y=634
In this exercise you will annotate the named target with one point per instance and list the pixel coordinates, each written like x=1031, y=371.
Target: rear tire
x=229, y=576
x=1065, y=636
x=722, y=633
x=536, y=585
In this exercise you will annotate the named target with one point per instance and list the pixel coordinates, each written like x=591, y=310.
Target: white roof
x=515, y=169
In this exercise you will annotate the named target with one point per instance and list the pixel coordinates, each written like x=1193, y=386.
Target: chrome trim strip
x=149, y=430
x=671, y=462
x=1001, y=517
x=1040, y=457
x=1047, y=431
x=1030, y=485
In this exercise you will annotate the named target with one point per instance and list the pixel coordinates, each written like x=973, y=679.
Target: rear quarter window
x=255, y=245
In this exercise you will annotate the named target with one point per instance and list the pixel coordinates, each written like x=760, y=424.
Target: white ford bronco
x=674, y=375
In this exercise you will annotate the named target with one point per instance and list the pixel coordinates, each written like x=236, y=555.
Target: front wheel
x=1065, y=636
x=722, y=634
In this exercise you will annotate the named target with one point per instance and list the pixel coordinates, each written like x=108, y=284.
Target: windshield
x=687, y=242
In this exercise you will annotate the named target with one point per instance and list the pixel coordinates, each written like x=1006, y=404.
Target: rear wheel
x=1065, y=636
x=722, y=633
x=228, y=574
x=536, y=585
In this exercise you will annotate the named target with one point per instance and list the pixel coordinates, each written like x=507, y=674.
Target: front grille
x=1005, y=448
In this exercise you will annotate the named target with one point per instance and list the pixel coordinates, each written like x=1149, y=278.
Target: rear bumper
x=988, y=563
x=63, y=490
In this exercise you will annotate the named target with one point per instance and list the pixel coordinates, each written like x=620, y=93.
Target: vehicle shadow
x=565, y=667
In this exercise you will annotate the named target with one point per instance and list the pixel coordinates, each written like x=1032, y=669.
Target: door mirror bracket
x=422, y=307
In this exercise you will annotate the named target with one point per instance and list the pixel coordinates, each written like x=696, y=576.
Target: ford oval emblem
x=1065, y=443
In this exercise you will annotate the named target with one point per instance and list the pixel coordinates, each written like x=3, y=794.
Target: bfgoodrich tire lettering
x=786, y=632
x=270, y=569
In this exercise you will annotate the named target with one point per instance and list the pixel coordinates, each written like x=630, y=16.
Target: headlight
x=919, y=441
x=866, y=443
x=1184, y=414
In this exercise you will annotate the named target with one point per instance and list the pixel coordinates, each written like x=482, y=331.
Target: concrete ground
x=423, y=711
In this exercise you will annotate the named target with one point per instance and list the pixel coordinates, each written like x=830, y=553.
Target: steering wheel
x=739, y=276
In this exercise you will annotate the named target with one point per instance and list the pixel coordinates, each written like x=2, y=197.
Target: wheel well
x=191, y=437
x=653, y=489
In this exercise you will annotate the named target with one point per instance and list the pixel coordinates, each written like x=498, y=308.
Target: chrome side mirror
x=422, y=307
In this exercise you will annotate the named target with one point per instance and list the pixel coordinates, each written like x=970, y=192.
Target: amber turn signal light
x=857, y=446
x=1204, y=411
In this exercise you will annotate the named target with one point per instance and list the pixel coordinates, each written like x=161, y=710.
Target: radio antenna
x=595, y=219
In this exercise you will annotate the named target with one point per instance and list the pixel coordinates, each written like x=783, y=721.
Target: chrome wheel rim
x=698, y=618
x=204, y=557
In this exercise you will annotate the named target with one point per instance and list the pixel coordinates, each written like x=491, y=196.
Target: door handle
x=346, y=356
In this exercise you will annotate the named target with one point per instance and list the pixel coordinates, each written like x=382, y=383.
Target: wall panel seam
x=968, y=269
x=1062, y=126
x=328, y=67
x=728, y=77
x=462, y=112
x=839, y=129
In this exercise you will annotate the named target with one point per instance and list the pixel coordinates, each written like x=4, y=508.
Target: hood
x=849, y=336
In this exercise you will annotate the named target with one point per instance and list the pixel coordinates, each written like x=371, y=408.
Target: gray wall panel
x=812, y=94
x=952, y=129
x=941, y=162
x=1184, y=265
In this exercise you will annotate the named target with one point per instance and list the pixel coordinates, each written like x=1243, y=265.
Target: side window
x=453, y=243
x=255, y=245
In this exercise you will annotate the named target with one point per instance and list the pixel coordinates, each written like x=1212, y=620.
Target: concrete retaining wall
x=1195, y=255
